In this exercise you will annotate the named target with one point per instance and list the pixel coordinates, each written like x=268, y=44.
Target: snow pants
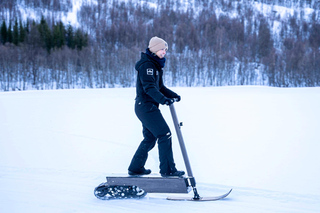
x=155, y=129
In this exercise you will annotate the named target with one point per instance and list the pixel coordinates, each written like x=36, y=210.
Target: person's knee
x=165, y=137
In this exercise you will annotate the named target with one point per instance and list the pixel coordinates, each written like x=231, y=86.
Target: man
x=150, y=93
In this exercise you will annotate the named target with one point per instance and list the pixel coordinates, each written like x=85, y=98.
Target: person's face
x=161, y=53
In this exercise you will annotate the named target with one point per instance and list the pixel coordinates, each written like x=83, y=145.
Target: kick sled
x=122, y=187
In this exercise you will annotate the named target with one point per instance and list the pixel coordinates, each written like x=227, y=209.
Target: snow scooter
x=137, y=186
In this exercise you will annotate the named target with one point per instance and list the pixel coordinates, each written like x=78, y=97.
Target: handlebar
x=175, y=99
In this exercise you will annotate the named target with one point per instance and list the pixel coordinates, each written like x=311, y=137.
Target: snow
x=71, y=16
x=283, y=11
x=57, y=146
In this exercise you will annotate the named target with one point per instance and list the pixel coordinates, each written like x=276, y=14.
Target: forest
x=211, y=43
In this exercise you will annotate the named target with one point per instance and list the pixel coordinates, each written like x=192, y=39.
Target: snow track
x=47, y=190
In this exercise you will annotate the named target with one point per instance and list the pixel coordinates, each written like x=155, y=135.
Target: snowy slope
x=56, y=146
x=270, y=10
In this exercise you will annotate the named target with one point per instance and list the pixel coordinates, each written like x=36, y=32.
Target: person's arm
x=167, y=92
x=148, y=81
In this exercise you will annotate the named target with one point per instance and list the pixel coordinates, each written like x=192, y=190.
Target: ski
x=200, y=199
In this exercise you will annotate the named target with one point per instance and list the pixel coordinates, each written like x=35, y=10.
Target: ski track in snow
x=46, y=190
x=57, y=146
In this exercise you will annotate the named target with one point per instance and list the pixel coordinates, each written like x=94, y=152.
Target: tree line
x=206, y=48
x=41, y=35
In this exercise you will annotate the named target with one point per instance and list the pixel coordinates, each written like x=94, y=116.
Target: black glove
x=168, y=101
x=177, y=98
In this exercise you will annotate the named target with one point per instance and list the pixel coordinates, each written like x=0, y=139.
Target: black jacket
x=150, y=86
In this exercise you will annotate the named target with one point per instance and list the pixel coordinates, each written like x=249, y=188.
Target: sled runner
x=121, y=187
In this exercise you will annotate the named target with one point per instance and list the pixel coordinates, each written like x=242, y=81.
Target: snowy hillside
x=64, y=44
x=56, y=146
x=70, y=10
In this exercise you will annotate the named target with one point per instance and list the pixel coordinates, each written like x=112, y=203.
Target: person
x=150, y=92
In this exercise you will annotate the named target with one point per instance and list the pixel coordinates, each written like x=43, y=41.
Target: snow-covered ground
x=57, y=146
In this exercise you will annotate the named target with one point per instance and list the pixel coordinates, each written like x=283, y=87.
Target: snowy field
x=57, y=146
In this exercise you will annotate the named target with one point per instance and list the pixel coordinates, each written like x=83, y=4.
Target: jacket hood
x=144, y=58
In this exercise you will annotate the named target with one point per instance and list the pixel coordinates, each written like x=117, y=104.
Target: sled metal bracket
x=191, y=181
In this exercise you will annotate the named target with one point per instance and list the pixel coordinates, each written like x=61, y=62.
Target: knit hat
x=156, y=44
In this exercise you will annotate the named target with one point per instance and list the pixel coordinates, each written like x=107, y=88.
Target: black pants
x=155, y=129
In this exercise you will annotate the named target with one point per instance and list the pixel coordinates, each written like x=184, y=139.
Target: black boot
x=173, y=174
x=142, y=172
